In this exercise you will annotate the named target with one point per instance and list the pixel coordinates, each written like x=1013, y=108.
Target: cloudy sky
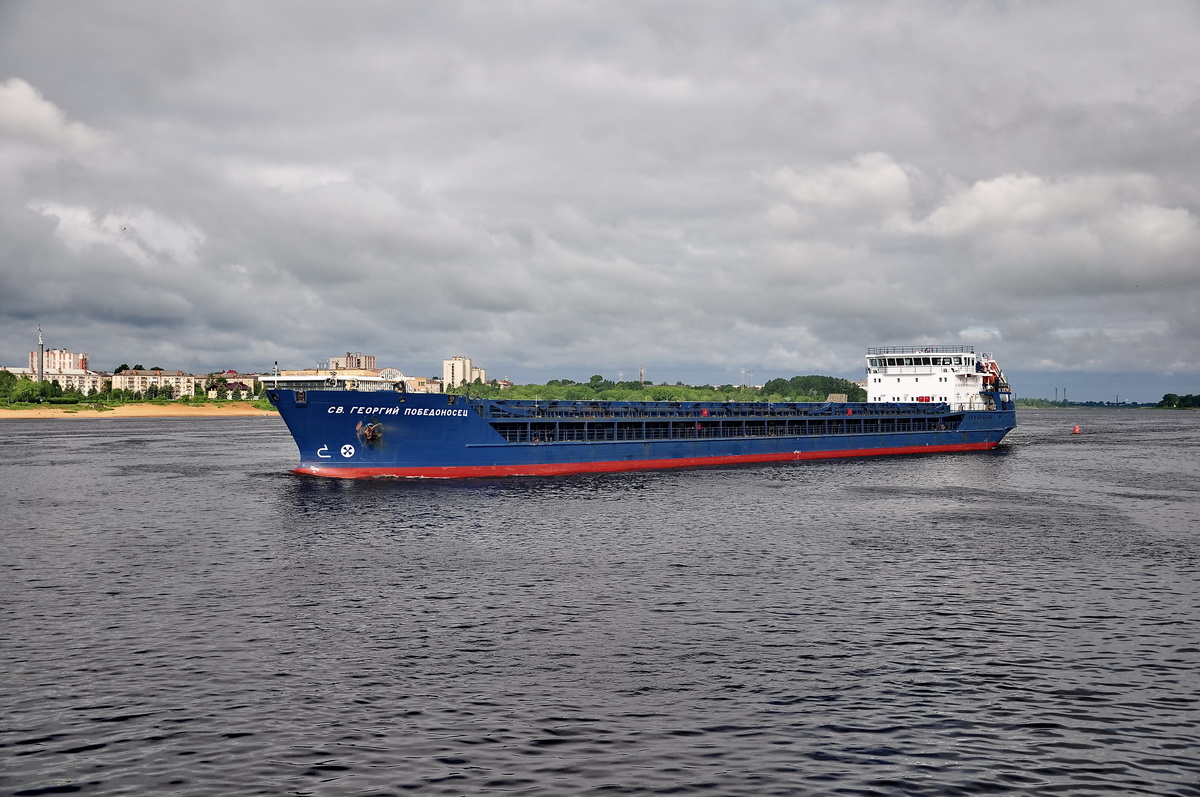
x=559, y=189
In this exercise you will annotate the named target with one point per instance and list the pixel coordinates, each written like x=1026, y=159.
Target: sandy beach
x=228, y=409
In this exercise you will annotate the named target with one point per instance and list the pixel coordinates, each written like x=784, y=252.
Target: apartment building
x=459, y=370
x=138, y=381
x=59, y=360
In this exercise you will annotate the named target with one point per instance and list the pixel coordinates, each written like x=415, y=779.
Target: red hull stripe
x=563, y=468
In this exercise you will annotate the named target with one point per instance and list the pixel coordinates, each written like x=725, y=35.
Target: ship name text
x=365, y=410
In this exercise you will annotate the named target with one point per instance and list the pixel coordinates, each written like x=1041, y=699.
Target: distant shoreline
x=230, y=409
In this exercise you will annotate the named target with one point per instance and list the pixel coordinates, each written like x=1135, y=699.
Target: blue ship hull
x=387, y=434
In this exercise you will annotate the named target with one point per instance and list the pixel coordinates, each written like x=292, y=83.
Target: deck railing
x=551, y=431
x=699, y=411
x=953, y=349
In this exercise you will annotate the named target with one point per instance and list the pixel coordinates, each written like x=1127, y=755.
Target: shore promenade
x=225, y=409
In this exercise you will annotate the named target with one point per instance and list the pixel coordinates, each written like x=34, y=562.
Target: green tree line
x=1176, y=401
x=1038, y=403
x=812, y=388
x=16, y=390
x=798, y=388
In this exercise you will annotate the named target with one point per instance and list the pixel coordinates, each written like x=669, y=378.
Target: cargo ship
x=920, y=400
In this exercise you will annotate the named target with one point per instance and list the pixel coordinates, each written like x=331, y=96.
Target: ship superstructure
x=955, y=375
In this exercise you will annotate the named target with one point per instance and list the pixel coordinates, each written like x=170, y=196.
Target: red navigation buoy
x=1076, y=429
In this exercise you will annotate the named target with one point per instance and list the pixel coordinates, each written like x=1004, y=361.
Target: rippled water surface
x=179, y=614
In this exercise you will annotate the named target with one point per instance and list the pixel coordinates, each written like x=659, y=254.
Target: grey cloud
x=567, y=189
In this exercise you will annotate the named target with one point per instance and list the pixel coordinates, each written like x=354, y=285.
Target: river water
x=181, y=615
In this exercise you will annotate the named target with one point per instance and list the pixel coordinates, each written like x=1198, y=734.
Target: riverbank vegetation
x=23, y=393
x=1174, y=401
x=1045, y=404
x=798, y=388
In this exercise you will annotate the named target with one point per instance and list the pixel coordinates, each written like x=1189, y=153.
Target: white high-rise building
x=59, y=360
x=69, y=369
x=459, y=370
